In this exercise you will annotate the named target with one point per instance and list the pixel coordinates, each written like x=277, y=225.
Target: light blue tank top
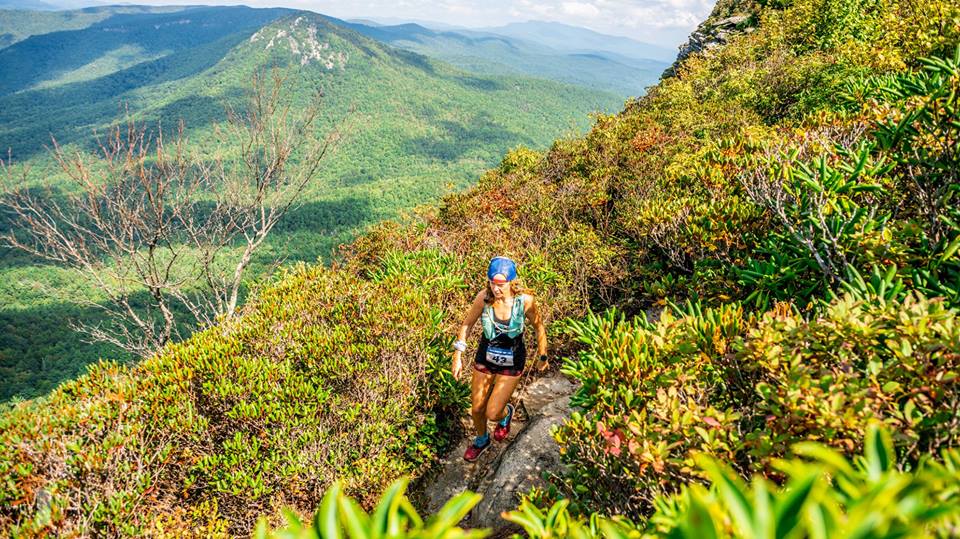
x=492, y=328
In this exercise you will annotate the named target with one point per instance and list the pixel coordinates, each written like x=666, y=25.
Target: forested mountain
x=18, y=23
x=591, y=63
x=752, y=272
x=112, y=45
x=418, y=127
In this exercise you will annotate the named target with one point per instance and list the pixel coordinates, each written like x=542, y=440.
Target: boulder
x=731, y=22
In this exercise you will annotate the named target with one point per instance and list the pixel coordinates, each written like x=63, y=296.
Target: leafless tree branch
x=153, y=224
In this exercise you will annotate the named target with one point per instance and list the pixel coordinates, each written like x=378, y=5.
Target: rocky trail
x=511, y=467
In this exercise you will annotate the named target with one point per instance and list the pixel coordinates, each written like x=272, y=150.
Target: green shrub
x=394, y=516
x=822, y=495
x=825, y=221
x=326, y=376
x=861, y=361
x=918, y=126
x=650, y=396
x=744, y=388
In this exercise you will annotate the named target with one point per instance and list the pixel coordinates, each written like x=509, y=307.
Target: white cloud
x=580, y=9
x=647, y=20
x=663, y=22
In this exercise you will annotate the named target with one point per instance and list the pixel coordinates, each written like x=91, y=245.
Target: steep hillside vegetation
x=789, y=198
x=417, y=129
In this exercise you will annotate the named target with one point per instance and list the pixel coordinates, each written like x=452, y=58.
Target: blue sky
x=662, y=22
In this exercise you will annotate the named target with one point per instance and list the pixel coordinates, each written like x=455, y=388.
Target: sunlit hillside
x=416, y=128
x=752, y=273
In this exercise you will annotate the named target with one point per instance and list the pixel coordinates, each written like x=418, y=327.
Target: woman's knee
x=479, y=408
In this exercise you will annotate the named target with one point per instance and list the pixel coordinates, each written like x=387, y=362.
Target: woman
x=503, y=309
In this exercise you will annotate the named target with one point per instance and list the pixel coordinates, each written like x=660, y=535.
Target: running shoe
x=503, y=427
x=477, y=448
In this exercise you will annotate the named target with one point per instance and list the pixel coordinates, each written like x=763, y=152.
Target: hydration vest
x=514, y=327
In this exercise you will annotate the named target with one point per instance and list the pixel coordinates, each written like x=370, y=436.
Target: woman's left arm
x=535, y=315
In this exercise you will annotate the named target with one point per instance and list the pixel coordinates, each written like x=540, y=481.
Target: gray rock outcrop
x=710, y=35
x=509, y=468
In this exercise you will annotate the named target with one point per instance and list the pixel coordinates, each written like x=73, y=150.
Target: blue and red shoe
x=479, y=445
x=503, y=427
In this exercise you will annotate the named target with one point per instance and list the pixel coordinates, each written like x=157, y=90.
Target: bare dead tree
x=799, y=199
x=807, y=228
x=664, y=234
x=154, y=225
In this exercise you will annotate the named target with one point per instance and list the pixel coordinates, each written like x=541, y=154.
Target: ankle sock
x=506, y=418
x=481, y=441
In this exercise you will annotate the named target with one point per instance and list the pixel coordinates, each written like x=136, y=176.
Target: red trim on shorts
x=504, y=372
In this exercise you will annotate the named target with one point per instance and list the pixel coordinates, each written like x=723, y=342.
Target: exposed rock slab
x=520, y=466
x=511, y=467
x=710, y=34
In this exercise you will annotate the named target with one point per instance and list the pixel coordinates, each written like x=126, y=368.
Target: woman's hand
x=457, y=366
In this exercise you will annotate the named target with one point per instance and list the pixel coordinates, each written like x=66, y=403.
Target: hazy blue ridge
x=568, y=38
x=26, y=4
x=489, y=53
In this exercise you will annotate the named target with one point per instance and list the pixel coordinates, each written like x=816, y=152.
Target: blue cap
x=503, y=266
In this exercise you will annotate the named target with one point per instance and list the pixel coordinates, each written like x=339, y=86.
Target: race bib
x=501, y=357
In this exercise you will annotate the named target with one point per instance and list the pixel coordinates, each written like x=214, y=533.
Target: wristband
x=459, y=346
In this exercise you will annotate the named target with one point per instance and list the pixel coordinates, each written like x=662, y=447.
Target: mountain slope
x=17, y=24
x=769, y=192
x=419, y=129
x=131, y=38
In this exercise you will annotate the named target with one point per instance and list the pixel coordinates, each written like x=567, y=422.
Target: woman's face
x=499, y=289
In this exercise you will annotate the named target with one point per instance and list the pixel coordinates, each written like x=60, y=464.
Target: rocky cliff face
x=301, y=39
x=728, y=19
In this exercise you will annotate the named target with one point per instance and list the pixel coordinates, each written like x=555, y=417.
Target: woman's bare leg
x=503, y=388
x=479, y=391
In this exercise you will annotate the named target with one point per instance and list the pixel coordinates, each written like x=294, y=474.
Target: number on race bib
x=501, y=357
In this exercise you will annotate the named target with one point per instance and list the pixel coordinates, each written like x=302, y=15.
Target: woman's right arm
x=468, y=321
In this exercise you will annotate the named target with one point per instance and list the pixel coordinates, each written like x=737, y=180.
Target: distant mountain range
x=566, y=38
x=554, y=35
x=585, y=58
x=548, y=50
x=49, y=5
